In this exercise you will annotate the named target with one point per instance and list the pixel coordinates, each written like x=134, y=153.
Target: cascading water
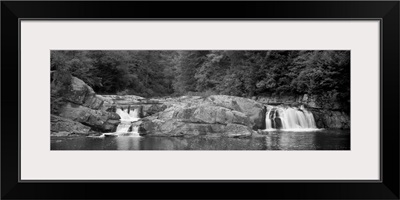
x=123, y=127
x=126, y=122
x=125, y=116
x=287, y=118
x=134, y=114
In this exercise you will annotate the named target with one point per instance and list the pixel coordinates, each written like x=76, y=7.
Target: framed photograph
x=288, y=100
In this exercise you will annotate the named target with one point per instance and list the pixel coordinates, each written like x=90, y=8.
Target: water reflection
x=290, y=141
x=321, y=140
x=126, y=143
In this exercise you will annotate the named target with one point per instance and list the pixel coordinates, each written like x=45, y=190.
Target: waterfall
x=132, y=117
x=126, y=122
x=287, y=118
x=123, y=127
x=135, y=129
x=134, y=114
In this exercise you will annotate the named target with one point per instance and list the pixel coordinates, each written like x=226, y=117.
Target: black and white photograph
x=200, y=100
x=299, y=96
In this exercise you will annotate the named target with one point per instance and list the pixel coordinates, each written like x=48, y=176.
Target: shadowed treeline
x=236, y=73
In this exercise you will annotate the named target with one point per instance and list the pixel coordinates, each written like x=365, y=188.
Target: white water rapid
x=132, y=116
x=126, y=122
x=287, y=118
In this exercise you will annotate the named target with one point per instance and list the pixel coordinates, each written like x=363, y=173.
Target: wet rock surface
x=65, y=127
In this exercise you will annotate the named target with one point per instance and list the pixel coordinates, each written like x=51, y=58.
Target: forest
x=159, y=73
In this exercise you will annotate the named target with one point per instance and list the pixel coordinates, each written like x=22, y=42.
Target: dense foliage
x=238, y=73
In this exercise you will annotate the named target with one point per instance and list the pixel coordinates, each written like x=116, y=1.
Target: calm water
x=319, y=140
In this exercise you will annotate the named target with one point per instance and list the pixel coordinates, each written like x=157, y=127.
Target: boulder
x=206, y=114
x=201, y=119
x=63, y=127
x=236, y=130
x=176, y=128
x=73, y=89
x=78, y=91
x=252, y=109
x=97, y=119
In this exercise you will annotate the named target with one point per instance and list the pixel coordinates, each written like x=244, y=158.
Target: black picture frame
x=385, y=11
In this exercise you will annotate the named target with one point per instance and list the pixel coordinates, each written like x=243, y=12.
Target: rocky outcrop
x=64, y=127
x=252, y=109
x=313, y=101
x=80, y=110
x=82, y=94
x=217, y=116
x=151, y=109
x=112, y=101
x=146, y=107
x=208, y=114
x=74, y=90
x=235, y=130
x=77, y=101
x=331, y=119
x=97, y=119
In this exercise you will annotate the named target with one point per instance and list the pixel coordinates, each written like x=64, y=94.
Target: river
x=329, y=139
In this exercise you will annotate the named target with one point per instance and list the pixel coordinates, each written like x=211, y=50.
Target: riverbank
x=78, y=110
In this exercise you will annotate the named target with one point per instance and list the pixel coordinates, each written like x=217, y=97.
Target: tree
x=189, y=61
x=238, y=73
